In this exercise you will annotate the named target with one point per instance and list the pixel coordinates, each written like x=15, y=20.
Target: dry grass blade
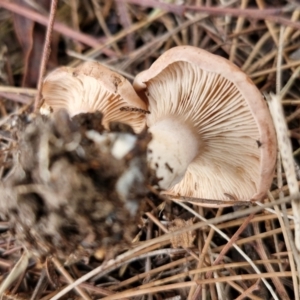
x=83, y=38
x=46, y=54
x=287, y=158
x=243, y=254
x=18, y=90
x=61, y=269
x=269, y=14
x=189, y=284
x=17, y=270
x=121, y=258
x=263, y=255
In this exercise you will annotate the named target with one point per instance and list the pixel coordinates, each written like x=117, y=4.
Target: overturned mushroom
x=212, y=133
x=91, y=87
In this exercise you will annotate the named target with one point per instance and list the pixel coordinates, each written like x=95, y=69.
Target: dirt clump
x=74, y=188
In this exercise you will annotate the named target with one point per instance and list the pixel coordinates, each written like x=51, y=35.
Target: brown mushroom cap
x=227, y=130
x=92, y=87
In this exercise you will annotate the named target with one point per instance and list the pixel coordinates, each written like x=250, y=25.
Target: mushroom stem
x=172, y=148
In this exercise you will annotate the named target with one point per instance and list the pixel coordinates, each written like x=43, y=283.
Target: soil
x=62, y=195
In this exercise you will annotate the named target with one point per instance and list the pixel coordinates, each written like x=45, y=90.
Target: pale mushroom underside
x=78, y=93
x=228, y=163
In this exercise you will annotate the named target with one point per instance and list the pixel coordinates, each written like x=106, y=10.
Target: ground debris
x=74, y=187
x=186, y=239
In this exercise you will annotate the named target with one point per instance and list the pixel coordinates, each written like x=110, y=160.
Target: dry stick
x=257, y=14
x=249, y=291
x=150, y=47
x=102, y=23
x=289, y=84
x=216, y=289
x=18, y=282
x=75, y=21
x=255, y=50
x=12, y=250
x=253, y=238
x=40, y=286
x=46, y=54
x=16, y=98
x=138, y=292
x=279, y=61
x=126, y=22
x=232, y=240
x=238, y=27
x=6, y=263
x=284, y=33
x=288, y=31
x=61, y=269
x=267, y=57
x=286, y=231
x=160, y=239
x=257, y=218
x=200, y=201
x=233, y=272
x=285, y=149
x=273, y=70
x=244, y=255
x=118, y=36
x=92, y=288
x=216, y=268
x=181, y=9
x=18, y=90
x=17, y=270
x=259, y=247
x=247, y=30
x=293, y=115
x=284, y=224
x=194, y=292
x=148, y=259
x=159, y=270
x=169, y=24
x=145, y=48
x=137, y=255
x=270, y=217
x=59, y=27
x=238, y=288
x=261, y=6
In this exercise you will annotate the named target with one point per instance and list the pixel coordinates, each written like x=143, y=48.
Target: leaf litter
x=59, y=161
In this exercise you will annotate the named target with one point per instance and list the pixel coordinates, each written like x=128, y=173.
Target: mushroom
x=212, y=134
x=92, y=87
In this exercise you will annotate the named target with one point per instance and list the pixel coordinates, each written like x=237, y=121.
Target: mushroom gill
x=217, y=117
x=92, y=87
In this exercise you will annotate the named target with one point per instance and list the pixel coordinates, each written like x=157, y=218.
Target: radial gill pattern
x=227, y=164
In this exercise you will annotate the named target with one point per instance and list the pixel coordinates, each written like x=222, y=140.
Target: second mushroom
x=213, y=136
x=92, y=87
